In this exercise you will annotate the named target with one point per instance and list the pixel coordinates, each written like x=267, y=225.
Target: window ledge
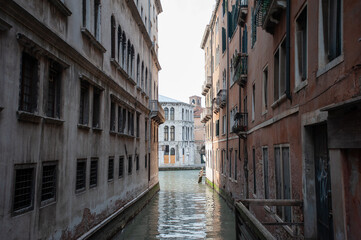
x=138, y=138
x=97, y=129
x=300, y=86
x=143, y=93
x=112, y=132
x=54, y=121
x=139, y=88
x=125, y=135
x=28, y=117
x=122, y=71
x=83, y=127
x=330, y=65
x=47, y=203
x=279, y=101
x=92, y=39
x=80, y=191
x=61, y=7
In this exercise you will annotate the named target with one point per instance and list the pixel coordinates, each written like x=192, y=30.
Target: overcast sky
x=181, y=26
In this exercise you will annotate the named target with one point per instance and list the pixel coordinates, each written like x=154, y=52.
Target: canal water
x=183, y=209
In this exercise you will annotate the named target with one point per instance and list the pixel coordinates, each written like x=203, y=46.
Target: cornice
x=158, y=5
x=24, y=18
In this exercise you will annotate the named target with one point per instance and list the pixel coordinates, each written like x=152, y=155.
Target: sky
x=181, y=27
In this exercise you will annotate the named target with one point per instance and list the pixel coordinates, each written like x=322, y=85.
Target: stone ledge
x=61, y=7
x=28, y=117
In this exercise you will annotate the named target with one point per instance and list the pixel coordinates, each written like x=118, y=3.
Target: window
x=172, y=133
x=48, y=183
x=137, y=125
x=86, y=13
x=97, y=19
x=224, y=79
x=283, y=180
x=217, y=56
x=280, y=71
x=145, y=161
x=301, y=47
x=265, y=90
x=330, y=41
x=234, y=111
x=146, y=130
x=124, y=49
x=253, y=101
x=224, y=40
x=146, y=79
x=128, y=56
x=120, y=120
x=119, y=42
x=93, y=178
x=112, y=116
x=112, y=36
x=142, y=76
x=54, y=90
x=28, y=83
x=84, y=103
x=166, y=113
x=265, y=172
x=121, y=166
x=23, y=189
x=254, y=171
x=172, y=152
x=254, y=27
x=224, y=124
x=124, y=122
x=166, y=131
x=245, y=40
x=96, y=108
x=172, y=114
x=217, y=128
x=230, y=163
x=235, y=164
x=130, y=165
x=110, y=168
x=138, y=62
x=80, y=175
x=137, y=162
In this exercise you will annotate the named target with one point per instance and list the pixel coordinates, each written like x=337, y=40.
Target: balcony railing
x=216, y=105
x=240, y=124
x=206, y=85
x=243, y=12
x=206, y=114
x=241, y=69
x=157, y=112
x=222, y=98
x=268, y=13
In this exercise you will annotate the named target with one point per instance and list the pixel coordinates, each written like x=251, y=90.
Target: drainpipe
x=211, y=93
x=227, y=76
x=288, y=50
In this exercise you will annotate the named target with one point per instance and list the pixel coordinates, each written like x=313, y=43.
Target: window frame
x=53, y=199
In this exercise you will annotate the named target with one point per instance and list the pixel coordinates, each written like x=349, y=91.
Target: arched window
x=172, y=133
x=146, y=79
x=142, y=75
x=119, y=41
x=172, y=114
x=166, y=113
x=124, y=48
x=97, y=19
x=172, y=152
x=132, y=53
x=182, y=113
x=138, y=62
x=166, y=132
x=112, y=36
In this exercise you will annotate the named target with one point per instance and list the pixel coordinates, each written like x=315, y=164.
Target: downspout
x=211, y=93
x=227, y=74
x=288, y=50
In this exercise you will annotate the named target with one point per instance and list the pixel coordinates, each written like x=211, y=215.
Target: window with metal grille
x=121, y=166
x=172, y=133
x=28, y=83
x=96, y=107
x=84, y=103
x=111, y=169
x=145, y=161
x=120, y=120
x=80, y=175
x=138, y=127
x=130, y=165
x=24, y=189
x=137, y=163
x=124, y=120
x=48, y=185
x=93, y=179
x=54, y=90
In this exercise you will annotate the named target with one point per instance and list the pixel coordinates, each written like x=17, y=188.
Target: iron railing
x=241, y=69
x=240, y=123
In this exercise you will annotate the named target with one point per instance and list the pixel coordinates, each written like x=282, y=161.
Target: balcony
x=240, y=124
x=157, y=112
x=206, y=115
x=222, y=98
x=207, y=85
x=216, y=105
x=243, y=12
x=268, y=13
x=241, y=69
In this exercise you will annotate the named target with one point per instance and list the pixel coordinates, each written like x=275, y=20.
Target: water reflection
x=183, y=209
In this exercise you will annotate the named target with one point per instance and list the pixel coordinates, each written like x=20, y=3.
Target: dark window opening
x=121, y=166
x=84, y=103
x=80, y=175
x=24, y=189
x=112, y=116
x=54, y=90
x=111, y=168
x=130, y=165
x=93, y=180
x=96, y=108
x=137, y=163
x=28, y=84
x=48, y=185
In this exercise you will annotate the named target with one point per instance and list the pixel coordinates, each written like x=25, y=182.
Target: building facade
x=79, y=114
x=282, y=92
x=176, y=135
x=199, y=130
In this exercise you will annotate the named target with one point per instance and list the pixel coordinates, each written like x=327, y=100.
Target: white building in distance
x=176, y=138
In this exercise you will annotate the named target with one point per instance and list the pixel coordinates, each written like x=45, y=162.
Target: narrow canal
x=183, y=209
